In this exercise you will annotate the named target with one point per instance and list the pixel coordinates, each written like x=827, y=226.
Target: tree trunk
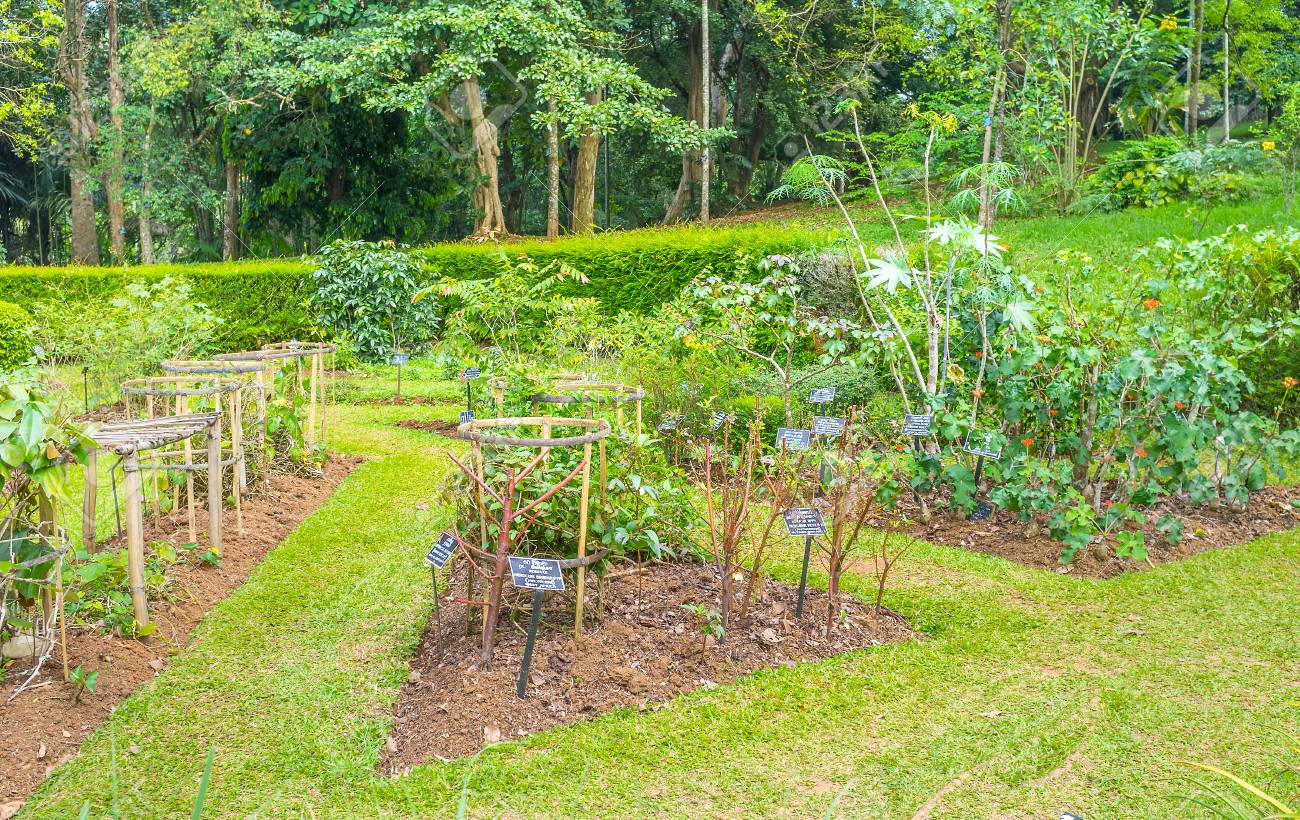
x=487, y=186
x=706, y=88
x=584, y=180
x=1194, y=71
x=1227, y=77
x=690, y=159
x=146, y=194
x=552, y=175
x=230, y=231
x=113, y=180
x=81, y=127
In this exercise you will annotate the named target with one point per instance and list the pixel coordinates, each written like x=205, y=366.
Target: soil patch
x=43, y=727
x=642, y=649
x=442, y=428
x=1204, y=528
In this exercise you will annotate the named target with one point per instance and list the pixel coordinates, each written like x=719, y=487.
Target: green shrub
x=367, y=291
x=15, y=336
x=1163, y=169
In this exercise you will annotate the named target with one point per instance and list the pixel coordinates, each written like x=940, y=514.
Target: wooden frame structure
x=317, y=387
x=129, y=439
x=594, y=394
x=178, y=395
x=248, y=370
x=597, y=430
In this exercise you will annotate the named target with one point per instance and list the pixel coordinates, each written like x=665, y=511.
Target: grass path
x=1034, y=693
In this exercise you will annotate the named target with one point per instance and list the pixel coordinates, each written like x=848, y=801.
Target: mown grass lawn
x=1032, y=693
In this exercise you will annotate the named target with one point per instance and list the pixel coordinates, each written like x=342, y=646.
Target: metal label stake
x=528, y=647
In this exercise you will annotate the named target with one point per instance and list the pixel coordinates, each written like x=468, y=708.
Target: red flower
x=1141, y=453
x=1108, y=503
x=1028, y=442
x=1150, y=304
x=979, y=354
x=1053, y=412
x=1290, y=381
x=900, y=448
x=1180, y=405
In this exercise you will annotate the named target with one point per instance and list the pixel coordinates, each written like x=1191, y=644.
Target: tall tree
x=113, y=177
x=74, y=60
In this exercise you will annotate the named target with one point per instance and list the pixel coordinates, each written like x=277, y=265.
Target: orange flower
x=1028, y=442
x=900, y=448
x=1290, y=381
x=1053, y=411
x=1108, y=503
x=1180, y=405
x=1141, y=452
x=1150, y=304
x=977, y=392
x=979, y=354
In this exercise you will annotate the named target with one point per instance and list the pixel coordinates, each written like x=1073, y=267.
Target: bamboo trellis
x=476, y=432
x=287, y=360
x=129, y=439
x=594, y=394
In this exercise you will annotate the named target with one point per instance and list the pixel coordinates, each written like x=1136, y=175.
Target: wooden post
x=546, y=433
x=214, y=483
x=261, y=415
x=236, y=460
x=479, y=471
x=582, y=537
x=135, y=538
x=311, y=402
x=638, y=414
x=603, y=480
x=153, y=474
x=89, y=501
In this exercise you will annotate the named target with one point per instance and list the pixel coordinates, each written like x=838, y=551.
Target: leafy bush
x=366, y=290
x=1162, y=169
x=15, y=336
x=145, y=324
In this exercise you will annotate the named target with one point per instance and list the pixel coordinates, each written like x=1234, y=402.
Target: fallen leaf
x=156, y=664
x=992, y=713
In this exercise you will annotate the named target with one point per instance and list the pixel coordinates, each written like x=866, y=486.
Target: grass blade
x=203, y=783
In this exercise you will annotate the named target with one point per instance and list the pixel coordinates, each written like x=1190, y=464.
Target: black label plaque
x=793, y=439
x=822, y=395
x=440, y=553
x=471, y=373
x=719, y=419
x=832, y=426
x=980, y=443
x=466, y=415
x=803, y=521
x=917, y=425
x=537, y=573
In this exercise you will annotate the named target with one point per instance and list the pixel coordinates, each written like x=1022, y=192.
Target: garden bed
x=43, y=726
x=631, y=656
x=1204, y=528
x=442, y=428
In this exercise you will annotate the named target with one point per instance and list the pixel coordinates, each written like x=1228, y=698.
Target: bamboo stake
x=189, y=482
x=214, y=482
x=153, y=477
x=638, y=415
x=480, y=472
x=176, y=490
x=88, y=502
x=311, y=406
x=582, y=537
x=261, y=417
x=135, y=538
x=237, y=477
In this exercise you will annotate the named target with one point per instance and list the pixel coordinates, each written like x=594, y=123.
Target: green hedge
x=265, y=301
x=258, y=301
x=635, y=270
x=15, y=338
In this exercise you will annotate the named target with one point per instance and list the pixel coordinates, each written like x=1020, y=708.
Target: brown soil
x=442, y=428
x=1205, y=528
x=43, y=726
x=405, y=401
x=631, y=655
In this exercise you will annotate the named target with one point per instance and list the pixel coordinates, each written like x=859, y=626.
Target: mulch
x=1207, y=527
x=43, y=726
x=442, y=428
x=642, y=649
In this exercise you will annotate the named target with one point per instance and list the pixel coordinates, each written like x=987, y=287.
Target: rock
x=157, y=663
x=415, y=675
x=40, y=752
x=24, y=646
x=630, y=679
x=390, y=744
x=491, y=734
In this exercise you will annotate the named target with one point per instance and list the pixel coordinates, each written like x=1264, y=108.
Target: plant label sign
x=542, y=574
x=917, y=425
x=401, y=358
x=832, y=426
x=471, y=373
x=466, y=415
x=442, y=550
x=671, y=423
x=793, y=439
x=719, y=419
x=804, y=521
x=822, y=395
x=982, y=511
x=983, y=444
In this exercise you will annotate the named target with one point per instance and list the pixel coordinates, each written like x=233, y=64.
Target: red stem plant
x=510, y=514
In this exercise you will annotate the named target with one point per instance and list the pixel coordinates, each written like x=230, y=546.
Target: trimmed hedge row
x=258, y=301
x=634, y=270
x=265, y=301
